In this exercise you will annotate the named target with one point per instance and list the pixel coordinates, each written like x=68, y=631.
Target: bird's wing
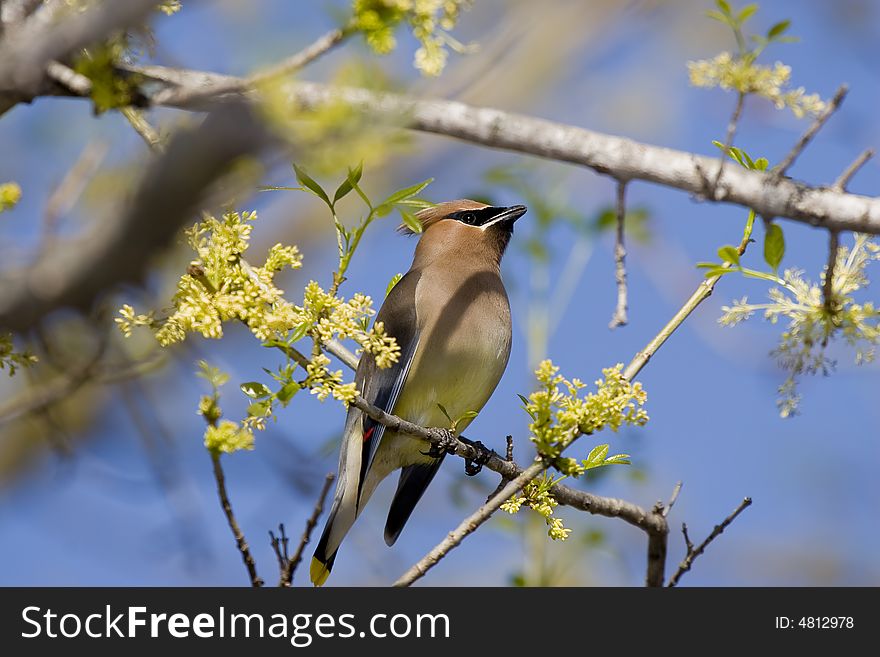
x=381, y=387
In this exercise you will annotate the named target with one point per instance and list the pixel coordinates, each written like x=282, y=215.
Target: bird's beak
x=506, y=216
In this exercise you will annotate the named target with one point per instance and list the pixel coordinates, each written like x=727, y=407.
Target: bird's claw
x=446, y=443
x=474, y=466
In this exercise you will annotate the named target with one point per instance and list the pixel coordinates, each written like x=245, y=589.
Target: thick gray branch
x=622, y=158
x=47, y=35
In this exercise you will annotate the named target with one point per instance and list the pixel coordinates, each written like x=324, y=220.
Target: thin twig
x=219, y=87
x=508, y=456
x=619, y=318
x=693, y=553
x=240, y=541
x=703, y=292
x=841, y=183
x=672, y=499
x=469, y=525
x=805, y=139
x=728, y=140
x=290, y=567
x=828, y=284
x=143, y=127
x=834, y=235
x=279, y=546
x=76, y=82
x=303, y=58
x=71, y=187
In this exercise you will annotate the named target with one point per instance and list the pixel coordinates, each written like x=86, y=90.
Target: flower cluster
x=11, y=359
x=220, y=286
x=228, y=436
x=742, y=74
x=10, y=195
x=221, y=435
x=812, y=322
x=558, y=417
x=430, y=21
x=536, y=495
x=169, y=7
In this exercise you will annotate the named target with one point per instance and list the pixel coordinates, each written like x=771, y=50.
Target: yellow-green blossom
x=559, y=415
x=811, y=324
x=430, y=21
x=10, y=195
x=536, y=495
x=742, y=74
x=11, y=359
x=228, y=436
x=169, y=7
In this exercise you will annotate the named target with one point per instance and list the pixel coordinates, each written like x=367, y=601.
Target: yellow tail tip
x=318, y=572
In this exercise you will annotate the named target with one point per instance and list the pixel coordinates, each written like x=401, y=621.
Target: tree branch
x=25, y=52
x=619, y=318
x=731, y=133
x=693, y=553
x=834, y=236
x=290, y=566
x=470, y=525
x=765, y=192
x=805, y=139
x=240, y=541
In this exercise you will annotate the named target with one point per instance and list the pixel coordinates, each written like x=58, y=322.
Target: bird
x=450, y=315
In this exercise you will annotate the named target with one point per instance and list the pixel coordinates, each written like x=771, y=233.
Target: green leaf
x=260, y=408
x=718, y=16
x=308, y=182
x=467, y=415
x=443, y=410
x=737, y=154
x=729, y=254
x=300, y=332
x=778, y=29
x=288, y=390
x=394, y=281
x=406, y=192
x=597, y=454
x=761, y=164
x=724, y=6
x=354, y=177
x=410, y=221
x=750, y=224
x=718, y=271
x=708, y=265
x=417, y=202
x=620, y=459
x=255, y=390
x=746, y=13
x=774, y=246
x=523, y=399
x=212, y=375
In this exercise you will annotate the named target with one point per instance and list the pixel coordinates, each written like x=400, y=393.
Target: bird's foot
x=446, y=443
x=475, y=465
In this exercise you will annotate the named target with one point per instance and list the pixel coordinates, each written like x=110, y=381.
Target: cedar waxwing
x=451, y=317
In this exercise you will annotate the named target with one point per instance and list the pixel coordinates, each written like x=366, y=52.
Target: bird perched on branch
x=451, y=317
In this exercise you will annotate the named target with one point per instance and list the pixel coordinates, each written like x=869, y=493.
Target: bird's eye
x=469, y=218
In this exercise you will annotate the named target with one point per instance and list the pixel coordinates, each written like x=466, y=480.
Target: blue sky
x=102, y=517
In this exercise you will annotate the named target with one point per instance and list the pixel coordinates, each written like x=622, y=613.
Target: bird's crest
x=435, y=213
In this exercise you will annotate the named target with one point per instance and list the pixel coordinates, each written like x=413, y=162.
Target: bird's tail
x=328, y=545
